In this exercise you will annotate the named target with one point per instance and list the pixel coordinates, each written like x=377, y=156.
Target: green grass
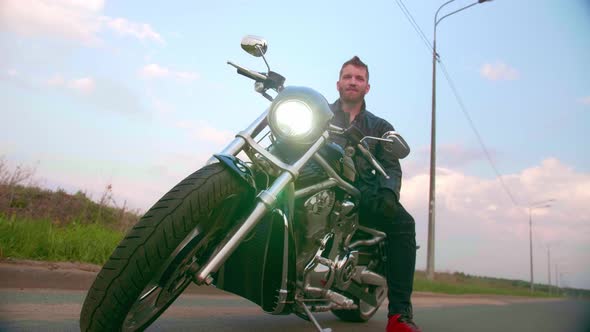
x=42, y=240
x=466, y=288
x=459, y=284
x=93, y=243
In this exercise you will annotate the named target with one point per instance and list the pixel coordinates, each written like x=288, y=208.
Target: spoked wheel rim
x=177, y=272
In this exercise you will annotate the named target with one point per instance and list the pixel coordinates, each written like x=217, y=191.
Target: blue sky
x=138, y=95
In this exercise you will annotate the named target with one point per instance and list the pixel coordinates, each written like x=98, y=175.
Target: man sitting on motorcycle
x=380, y=206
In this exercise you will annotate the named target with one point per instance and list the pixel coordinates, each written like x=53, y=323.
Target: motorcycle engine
x=320, y=205
x=311, y=225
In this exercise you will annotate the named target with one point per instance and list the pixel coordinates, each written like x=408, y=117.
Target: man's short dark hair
x=357, y=62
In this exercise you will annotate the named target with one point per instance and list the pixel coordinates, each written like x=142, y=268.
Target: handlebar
x=356, y=137
x=258, y=77
x=264, y=82
x=371, y=160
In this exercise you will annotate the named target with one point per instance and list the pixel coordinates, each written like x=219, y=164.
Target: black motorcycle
x=277, y=225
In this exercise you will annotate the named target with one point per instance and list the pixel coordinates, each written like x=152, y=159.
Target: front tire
x=152, y=265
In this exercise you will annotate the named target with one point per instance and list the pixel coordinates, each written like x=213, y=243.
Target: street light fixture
x=431, y=205
x=538, y=205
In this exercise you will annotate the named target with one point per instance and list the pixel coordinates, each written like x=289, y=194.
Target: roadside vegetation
x=21, y=198
x=459, y=283
x=46, y=225
x=44, y=240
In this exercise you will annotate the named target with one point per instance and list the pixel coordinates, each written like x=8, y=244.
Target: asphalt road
x=49, y=298
x=58, y=310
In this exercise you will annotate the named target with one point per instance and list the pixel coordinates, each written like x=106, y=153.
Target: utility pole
x=431, y=191
x=537, y=205
x=531, y=250
x=549, y=267
x=556, y=279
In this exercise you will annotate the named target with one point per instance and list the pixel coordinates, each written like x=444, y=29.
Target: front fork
x=266, y=198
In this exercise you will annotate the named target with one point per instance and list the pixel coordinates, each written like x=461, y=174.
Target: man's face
x=353, y=85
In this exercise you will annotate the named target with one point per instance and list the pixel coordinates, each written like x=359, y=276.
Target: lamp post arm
x=438, y=10
x=454, y=12
x=541, y=204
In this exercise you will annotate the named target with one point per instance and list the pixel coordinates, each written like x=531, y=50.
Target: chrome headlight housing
x=299, y=115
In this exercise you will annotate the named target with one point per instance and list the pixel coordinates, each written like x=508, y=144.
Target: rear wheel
x=372, y=259
x=152, y=265
x=364, y=311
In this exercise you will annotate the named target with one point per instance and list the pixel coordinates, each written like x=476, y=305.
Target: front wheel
x=154, y=263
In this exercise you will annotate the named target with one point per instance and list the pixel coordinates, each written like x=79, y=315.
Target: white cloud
x=453, y=155
x=124, y=27
x=584, y=101
x=102, y=93
x=66, y=19
x=212, y=134
x=56, y=80
x=154, y=70
x=84, y=85
x=203, y=131
x=477, y=222
x=186, y=75
x=90, y=5
x=78, y=20
x=499, y=71
x=162, y=107
x=16, y=78
x=113, y=96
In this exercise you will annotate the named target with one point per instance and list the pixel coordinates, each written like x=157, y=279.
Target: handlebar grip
x=258, y=77
x=249, y=74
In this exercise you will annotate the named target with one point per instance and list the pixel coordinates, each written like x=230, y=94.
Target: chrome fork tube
x=215, y=261
x=237, y=144
x=267, y=199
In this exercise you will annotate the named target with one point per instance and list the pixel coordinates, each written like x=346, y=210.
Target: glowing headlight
x=294, y=118
x=299, y=116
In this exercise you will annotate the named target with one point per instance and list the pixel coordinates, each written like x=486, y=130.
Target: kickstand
x=311, y=318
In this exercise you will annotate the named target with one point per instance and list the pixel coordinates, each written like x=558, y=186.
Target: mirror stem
x=263, y=57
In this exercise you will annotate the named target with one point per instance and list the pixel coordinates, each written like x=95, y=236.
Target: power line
x=423, y=37
x=415, y=25
x=472, y=125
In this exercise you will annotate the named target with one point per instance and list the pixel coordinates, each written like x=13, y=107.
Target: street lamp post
x=549, y=267
x=431, y=199
x=538, y=205
x=556, y=279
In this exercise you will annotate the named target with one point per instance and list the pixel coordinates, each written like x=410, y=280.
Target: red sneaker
x=401, y=323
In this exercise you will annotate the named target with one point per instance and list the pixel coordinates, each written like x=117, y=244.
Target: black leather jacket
x=370, y=125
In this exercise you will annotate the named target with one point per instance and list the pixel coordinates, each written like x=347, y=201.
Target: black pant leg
x=401, y=260
x=400, y=251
